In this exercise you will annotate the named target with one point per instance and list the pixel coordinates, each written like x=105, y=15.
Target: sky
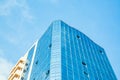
x=22, y=22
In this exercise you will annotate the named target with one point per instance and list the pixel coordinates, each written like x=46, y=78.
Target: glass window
x=101, y=51
x=84, y=63
x=47, y=73
x=78, y=36
x=86, y=73
x=34, y=79
x=36, y=62
x=50, y=45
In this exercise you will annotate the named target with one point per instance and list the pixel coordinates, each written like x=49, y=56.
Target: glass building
x=64, y=53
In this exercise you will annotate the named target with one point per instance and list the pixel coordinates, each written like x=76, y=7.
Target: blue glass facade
x=64, y=53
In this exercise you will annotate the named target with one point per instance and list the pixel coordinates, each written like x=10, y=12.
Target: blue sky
x=22, y=22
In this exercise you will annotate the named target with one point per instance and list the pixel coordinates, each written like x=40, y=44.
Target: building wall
x=55, y=64
x=29, y=60
x=82, y=59
x=41, y=62
x=64, y=53
x=18, y=70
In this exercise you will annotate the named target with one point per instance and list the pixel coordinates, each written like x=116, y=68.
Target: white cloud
x=7, y=5
x=54, y=1
x=5, y=67
x=27, y=16
x=1, y=52
x=11, y=39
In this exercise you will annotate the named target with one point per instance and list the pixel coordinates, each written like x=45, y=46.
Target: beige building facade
x=18, y=70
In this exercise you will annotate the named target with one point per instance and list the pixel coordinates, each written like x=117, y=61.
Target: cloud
x=54, y=1
x=1, y=52
x=7, y=6
x=5, y=67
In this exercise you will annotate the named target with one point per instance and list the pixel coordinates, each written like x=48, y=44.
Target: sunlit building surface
x=17, y=73
x=64, y=53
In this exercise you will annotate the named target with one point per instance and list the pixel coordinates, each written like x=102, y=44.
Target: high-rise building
x=18, y=71
x=64, y=53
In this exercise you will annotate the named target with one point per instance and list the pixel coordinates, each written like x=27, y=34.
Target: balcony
x=15, y=78
x=18, y=72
